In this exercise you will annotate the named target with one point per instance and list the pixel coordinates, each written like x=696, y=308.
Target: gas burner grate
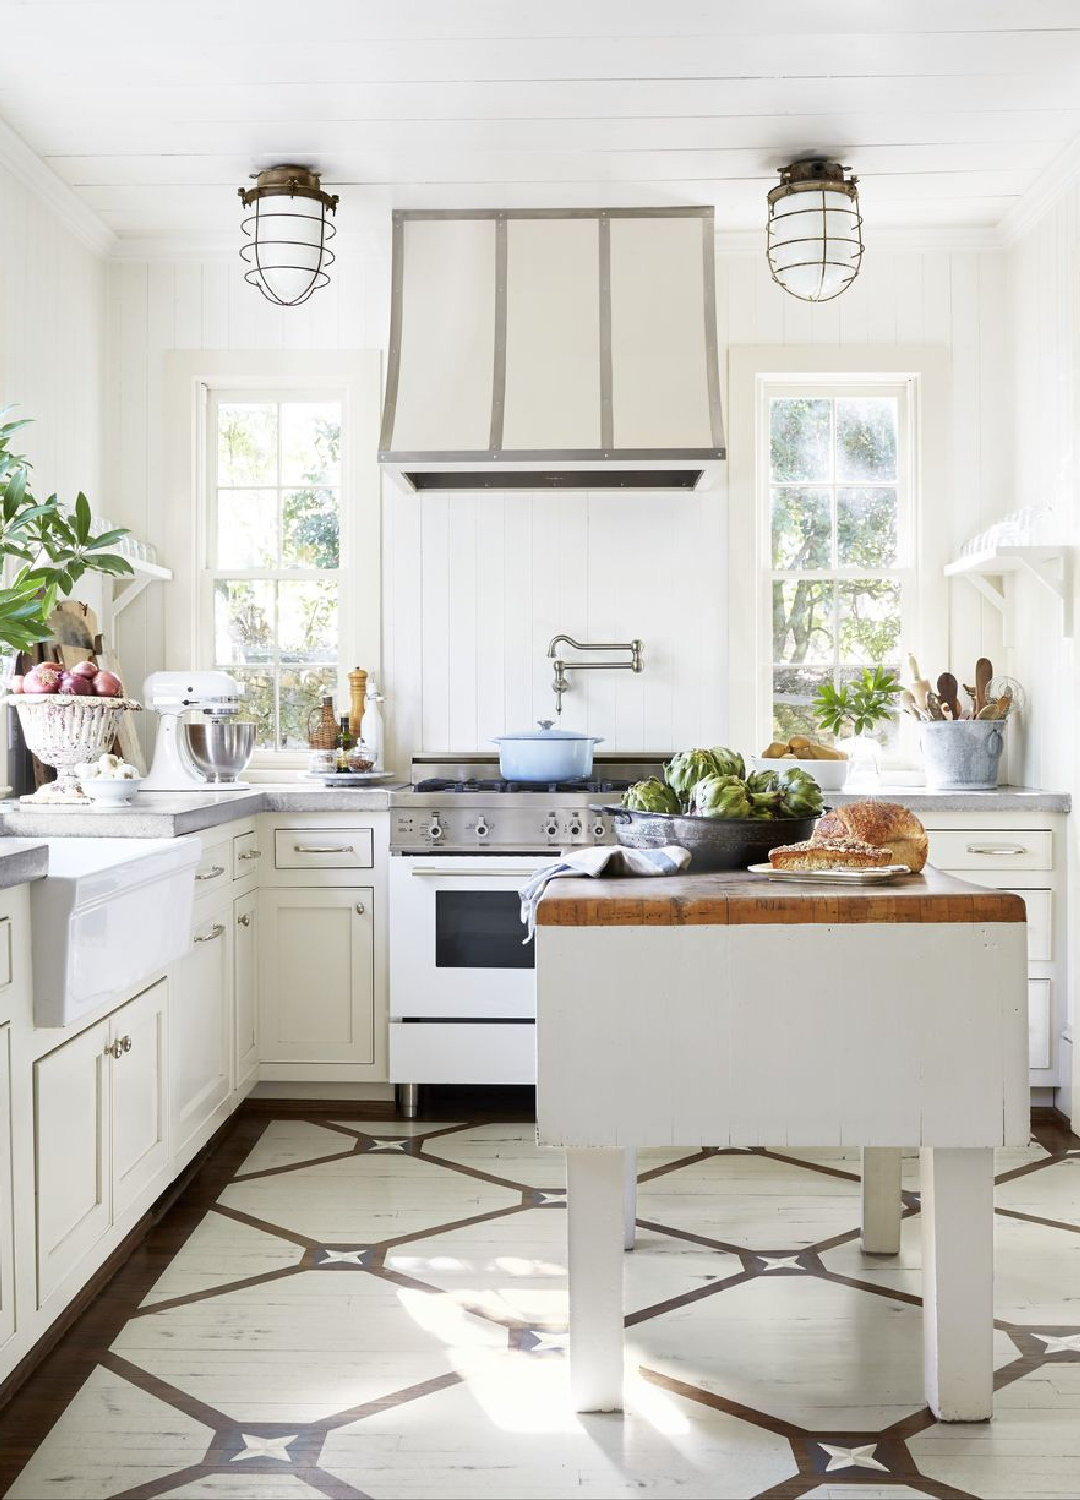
x=500, y=785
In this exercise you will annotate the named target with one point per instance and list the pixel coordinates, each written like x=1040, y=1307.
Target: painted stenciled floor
x=368, y=1309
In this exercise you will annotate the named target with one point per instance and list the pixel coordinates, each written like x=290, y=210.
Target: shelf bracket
x=990, y=592
x=1056, y=574
x=123, y=597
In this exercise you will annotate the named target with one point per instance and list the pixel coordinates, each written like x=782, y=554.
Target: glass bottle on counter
x=344, y=744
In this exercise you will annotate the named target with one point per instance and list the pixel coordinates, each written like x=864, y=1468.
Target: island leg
x=595, y=1204
x=629, y=1198
x=881, y=1200
x=958, y=1281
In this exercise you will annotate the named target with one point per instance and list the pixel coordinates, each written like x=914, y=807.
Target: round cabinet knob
x=360, y=908
x=244, y=919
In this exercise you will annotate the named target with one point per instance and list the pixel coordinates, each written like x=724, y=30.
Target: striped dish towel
x=608, y=859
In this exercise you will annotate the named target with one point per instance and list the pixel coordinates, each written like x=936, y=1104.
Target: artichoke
x=800, y=795
x=722, y=797
x=651, y=796
x=683, y=772
x=728, y=762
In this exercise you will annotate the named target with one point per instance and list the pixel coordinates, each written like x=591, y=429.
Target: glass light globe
x=815, y=231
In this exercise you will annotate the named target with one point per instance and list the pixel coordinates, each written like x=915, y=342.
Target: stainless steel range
x=463, y=841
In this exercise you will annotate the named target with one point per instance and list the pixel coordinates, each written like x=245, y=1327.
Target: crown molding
x=1048, y=189
x=28, y=168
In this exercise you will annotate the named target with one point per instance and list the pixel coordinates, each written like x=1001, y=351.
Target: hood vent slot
x=553, y=349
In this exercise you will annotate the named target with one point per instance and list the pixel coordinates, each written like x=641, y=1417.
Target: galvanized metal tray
x=879, y=876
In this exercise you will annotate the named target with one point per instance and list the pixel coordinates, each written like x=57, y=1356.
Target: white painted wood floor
x=378, y=1310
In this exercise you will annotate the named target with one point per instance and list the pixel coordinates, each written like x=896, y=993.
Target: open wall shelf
x=1051, y=566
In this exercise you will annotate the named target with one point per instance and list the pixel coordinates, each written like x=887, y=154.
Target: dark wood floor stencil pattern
x=106, y=1343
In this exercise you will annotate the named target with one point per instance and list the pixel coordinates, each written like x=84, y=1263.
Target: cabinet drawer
x=245, y=855
x=323, y=848
x=7, y=962
x=1038, y=901
x=1040, y=1055
x=214, y=870
x=992, y=848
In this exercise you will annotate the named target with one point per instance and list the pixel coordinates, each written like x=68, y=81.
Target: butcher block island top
x=735, y=898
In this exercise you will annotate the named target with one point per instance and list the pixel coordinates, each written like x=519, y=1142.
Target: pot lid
x=546, y=732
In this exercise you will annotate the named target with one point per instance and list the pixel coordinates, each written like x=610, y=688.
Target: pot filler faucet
x=561, y=685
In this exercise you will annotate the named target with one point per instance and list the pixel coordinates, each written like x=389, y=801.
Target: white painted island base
x=786, y=1030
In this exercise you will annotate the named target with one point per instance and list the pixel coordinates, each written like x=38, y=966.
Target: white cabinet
x=100, y=1131
x=245, y=978
x=200, y=1029
x=317, y=978
x=7, y=1202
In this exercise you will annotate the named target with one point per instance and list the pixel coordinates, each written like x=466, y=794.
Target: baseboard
x=266, y=1089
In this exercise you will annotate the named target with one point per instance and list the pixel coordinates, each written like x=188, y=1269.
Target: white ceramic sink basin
x=110, y=914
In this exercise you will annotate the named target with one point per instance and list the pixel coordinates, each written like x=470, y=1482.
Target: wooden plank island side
x=736, y=898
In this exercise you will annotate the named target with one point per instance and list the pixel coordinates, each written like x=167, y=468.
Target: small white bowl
x=109, y=791
x=830, y=775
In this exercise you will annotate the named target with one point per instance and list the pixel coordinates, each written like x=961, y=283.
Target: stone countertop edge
x=1002, y=799
x=22, y=860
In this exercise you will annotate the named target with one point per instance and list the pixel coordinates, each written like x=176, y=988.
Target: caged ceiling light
x=287, y=249
x=815, y=229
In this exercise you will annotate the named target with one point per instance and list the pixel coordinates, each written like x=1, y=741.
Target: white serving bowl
x=111, y=791
x=830, y=775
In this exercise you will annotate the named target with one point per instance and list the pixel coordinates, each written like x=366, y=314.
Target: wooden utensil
x=984, y=671
x=933, y=706
x=907, y=700
x=920, y=687
x=946, y=686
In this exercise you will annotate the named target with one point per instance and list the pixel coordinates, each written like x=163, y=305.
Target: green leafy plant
x=52, y=550
x=864, y=703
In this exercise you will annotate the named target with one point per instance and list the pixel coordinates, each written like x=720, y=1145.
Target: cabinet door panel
x=7, y=1203
x=200, y=1026
x=71, y=1127
x=245, y=958
x=140, y=1115
x=317, y=982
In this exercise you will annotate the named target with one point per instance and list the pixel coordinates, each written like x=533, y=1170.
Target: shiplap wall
x=476, y=585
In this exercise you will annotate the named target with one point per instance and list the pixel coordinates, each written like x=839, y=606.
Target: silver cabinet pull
x=244, y=919
x=361, y=908
x=211, y=874
x=996, y=849
x=215, y=932
x=324, y=849
x=251, y=854
x=117, y=1049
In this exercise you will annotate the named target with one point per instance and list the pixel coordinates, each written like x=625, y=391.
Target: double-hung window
x=838, y=531
x=274, y=552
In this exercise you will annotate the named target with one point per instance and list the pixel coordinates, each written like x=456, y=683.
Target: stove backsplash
x=476, y=585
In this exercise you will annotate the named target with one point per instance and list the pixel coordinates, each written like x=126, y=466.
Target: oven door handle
x=435, y=872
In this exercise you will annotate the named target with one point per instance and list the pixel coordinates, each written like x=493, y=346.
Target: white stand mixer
x=176, y=767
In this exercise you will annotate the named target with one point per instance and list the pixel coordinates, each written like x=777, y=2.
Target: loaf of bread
x=829, y=854
x=885, y=825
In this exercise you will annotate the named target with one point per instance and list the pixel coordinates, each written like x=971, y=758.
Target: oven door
x=456, y=938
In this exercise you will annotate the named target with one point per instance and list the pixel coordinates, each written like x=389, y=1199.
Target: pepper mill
x=357, y=689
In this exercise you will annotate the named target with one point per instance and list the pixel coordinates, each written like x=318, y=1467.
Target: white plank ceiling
x=155, y=111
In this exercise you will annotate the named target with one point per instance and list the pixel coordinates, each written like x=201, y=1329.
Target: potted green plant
x=65, y=717
x=861, y=705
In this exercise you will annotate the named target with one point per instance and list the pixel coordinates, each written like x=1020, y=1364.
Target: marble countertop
x=1002, y=799
x=157, y=815
x=22, y=860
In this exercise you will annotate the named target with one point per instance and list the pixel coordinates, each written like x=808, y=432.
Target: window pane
x=301, y=691
x=243, y=622
x=866, y=437
x=869, y=620
x=307, y=621
x=801, y=528
x=247, y=529
x=309, y=523
x=799, y=437
x=803, y=621
x=866, y=528
x=311, y=441
x=257, y=703
x=247, y=442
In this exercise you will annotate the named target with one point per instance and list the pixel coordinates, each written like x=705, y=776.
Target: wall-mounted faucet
x=561, y=685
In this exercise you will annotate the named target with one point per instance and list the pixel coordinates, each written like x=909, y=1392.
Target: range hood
x=562, y=348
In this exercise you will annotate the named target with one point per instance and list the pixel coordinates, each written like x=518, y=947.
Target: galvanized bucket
x=964, y=754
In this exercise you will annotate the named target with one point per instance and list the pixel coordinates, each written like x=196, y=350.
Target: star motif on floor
x=544, y=1200
x=386, y=1146
x=545, y=1341
x=345, y=1257
x=851, y=1458
x=781, y=1263
x=1067, y=1343
x=265, y=1447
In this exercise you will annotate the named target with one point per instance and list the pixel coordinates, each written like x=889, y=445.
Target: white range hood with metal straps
x=562, y=348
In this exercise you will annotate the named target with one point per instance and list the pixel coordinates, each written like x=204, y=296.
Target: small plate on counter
x=349, y=778
x=879, y=876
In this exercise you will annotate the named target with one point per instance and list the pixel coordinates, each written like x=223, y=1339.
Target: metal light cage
x=815, y=241
x=284, y=237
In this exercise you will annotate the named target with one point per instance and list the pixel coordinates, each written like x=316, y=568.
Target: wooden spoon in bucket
x=984, y=671
x=947, y=687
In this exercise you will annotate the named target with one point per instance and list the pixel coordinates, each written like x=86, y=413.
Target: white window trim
x=751, y=370
x=352, y=376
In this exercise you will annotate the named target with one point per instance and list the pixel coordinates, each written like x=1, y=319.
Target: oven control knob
x=435, y=828
x=575, y=829
x=481, y=828
x=551, y=827
x=598, y=829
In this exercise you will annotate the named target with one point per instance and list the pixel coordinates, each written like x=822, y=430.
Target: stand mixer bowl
x=221, y=748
